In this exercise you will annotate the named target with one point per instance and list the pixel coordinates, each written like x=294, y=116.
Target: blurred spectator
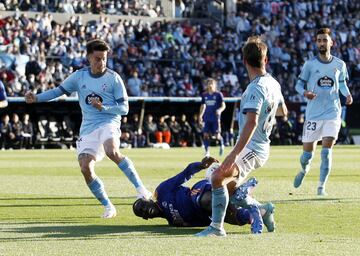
x=163, y=133
x=196, y=131
x=17, y=128
x=27, y=132
x=7, y=136
x=134, y=84
x=175, y=130
x=150, y=129
x=185, y=132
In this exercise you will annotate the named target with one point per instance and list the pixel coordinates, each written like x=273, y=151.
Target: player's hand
x=207, y=161
x=96, y=103
x=228, y=163
x=349, y=100
x=309, y=95
x=30, y=97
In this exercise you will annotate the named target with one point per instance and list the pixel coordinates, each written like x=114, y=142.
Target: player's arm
x=31, y=97
x=67, y=87
x=221, y=109
x=185, y=175
x=344, y=89
x=121, y=106
x=251, y=123
x=282, y=109
x=302, y=83
x=201, y=112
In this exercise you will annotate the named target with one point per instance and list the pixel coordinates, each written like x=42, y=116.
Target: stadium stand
x=171, y=57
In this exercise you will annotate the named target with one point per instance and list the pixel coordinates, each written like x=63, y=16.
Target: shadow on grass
x=96, y=232
x=45, y=201
x=316, y=200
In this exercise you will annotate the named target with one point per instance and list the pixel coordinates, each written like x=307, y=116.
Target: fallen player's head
x=146, y=208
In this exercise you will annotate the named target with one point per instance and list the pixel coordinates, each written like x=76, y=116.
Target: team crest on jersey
x=104, y=87
x=164, y=204
x=83, y=86
x=325, y=82
x=92, y=97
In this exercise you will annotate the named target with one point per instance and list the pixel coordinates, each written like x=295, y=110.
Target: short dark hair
x=322, y=31
x=97, y=45
x=255, y=51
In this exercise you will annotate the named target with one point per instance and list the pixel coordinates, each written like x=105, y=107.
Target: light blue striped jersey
x=263, y=96
x=107, y=87
x=325, y=79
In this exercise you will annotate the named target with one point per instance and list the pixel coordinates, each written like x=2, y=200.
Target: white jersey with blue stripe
x=325, y=79
x=107, y=87
x=262, y=96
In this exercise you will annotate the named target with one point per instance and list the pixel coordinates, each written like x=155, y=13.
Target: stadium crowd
x=173, y=58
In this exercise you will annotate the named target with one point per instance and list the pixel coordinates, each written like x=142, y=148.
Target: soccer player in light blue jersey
x=102, y=99
x=212, y=105
x=260, y=103
x=320, y=80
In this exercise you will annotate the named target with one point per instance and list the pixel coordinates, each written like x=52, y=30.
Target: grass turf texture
x=46, y=208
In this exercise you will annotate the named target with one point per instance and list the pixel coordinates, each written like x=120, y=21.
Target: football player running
x=320, y=80
x=103, y=100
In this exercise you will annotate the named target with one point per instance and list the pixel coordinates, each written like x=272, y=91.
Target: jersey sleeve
x=121, y=99
x=179, y=179
x=254, y=100
x=344, y=76
x=202, y=99
x=303, y=78
x=70, y=84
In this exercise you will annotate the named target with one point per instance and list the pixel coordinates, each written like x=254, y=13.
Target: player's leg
x=95, y=184
x=305, y=162
x=326, y=163
x=111, y=147
x=220, y=200
x=217, y=131
x=89, y=151
x=206, y=139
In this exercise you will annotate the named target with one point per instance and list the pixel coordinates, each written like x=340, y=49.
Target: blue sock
x=325, y=167
x=98, y=189
x=305, y=160
x=206, y=144
x=220, y=201
x=128, y=168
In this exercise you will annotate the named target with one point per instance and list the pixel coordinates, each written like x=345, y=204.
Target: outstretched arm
x=30, y=97
x=186, y=174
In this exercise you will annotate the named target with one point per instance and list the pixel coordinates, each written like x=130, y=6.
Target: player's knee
x=113, y=153
x=217, y=179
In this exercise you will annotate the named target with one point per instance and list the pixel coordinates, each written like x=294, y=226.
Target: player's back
x=323, y=79
x=179, y=208
x=263, y=96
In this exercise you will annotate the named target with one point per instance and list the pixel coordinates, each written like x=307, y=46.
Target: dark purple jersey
x=212, y=102
x=180, y=204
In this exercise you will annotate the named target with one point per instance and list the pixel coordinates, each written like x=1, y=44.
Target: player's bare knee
x=217, y=179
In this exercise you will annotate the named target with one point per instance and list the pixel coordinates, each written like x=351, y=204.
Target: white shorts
x=92, y=143
x=315, y=130
x=247, y=161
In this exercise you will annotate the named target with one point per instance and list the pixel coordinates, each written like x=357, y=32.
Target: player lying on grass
x=191, y=207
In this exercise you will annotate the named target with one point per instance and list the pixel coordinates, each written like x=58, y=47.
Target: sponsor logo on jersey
x=325, y=82
x=92, y=97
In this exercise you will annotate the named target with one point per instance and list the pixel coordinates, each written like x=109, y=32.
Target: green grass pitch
x=46, y=208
